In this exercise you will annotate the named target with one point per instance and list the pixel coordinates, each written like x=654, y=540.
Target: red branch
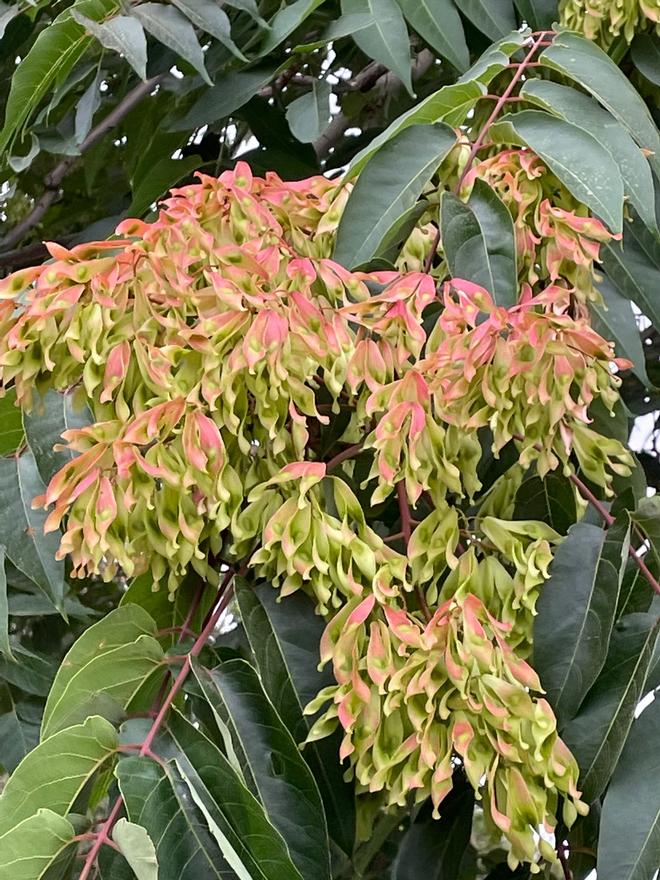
x=102, y=836
x=350, y=452
x=589, y=496
x=477, y=145
x=406, y=532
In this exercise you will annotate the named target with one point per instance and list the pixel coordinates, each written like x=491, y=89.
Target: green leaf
x=386, y=41
x=590, y=67
x=345, y=26
x=439, y=24
x=597, y=734
x=615, y=320
x=479, y=242
x=137, y=848
x=44, y=427
x=581, y=110
x=19, y=727
x=549, y=499
x=166, y=611
x=33, y=845
x=54, y=774
x=249, y=6
x=225, y=97
x=578, y=160
x=86, y=107
x=29, y=671
x=495, y=59
x=629, y=842
x=11, y=426
x=22, y=528
x=284, y=782
x=576, y=612
x=5, y=647
x=450, y=104
x=284, y=638
x=495, y=18
x=104, y=669
x=636, y=592
x=539, y=14
x=645, y=51
x=239, y=819
x=158, y=799
x=633, y=266
x=285, y=22
x=158, y=180
x=390, y=184
x=208, y=16
x=308, y=115
x=122, y=34
x=52, y=56
x=434, y=849
x=173, y=30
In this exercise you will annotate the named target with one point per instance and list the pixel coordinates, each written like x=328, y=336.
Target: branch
x=373, y=74
x=54, y=179
x=349, y=452
x=102, y=836
x=406, y=532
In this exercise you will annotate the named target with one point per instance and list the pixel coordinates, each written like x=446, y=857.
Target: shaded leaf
x=137, y=848
x=615, y=320
x=587, y=64
x=86, y=107
x=104, y=669
x=218, y=790
x=33, y=845
x=22, y=528
x=158, y=799
x=158, y=179
x=494, y=59
x=309, y=114
x=479, y=242
x=208, y=16
x=495, y=18
x=122, y=34
x=167, y=611
x=390, y=184
x=549, y=499
x=636, y=593
x=584, y=166
x=285, y=22
x=19, y=728
x=249, y=6
x=538, y=14
x=284, y=638
x=7, y=13
x=633, y=265
x=386, y=41
x=434, y=849
x=52, y=56
x=597, y=734
x=44, y=427
x=645, y=51
x=581, y=110
x=5, y=647
x=53, y=775
x=576, y=610
x=173, y=30
x=29, y=671
x=284, y=782
x=450, y=104
x=629, y=842
x=439, y=24
x=229, y=93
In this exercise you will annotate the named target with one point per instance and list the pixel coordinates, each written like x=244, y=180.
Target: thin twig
x=102, y=836
x=57, y=175
x=349, y=452
x=406, y=532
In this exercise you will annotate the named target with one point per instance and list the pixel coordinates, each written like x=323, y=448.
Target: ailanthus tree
x=325, y=551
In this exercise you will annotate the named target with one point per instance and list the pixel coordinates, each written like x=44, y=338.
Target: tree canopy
x=327, y=551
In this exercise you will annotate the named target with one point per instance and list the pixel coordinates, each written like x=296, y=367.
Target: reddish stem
x=406, y=532
x=589, y=496
x=103, y=835
x=349, y=452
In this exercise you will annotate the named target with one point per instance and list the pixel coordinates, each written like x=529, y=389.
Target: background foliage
x=107, y=105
